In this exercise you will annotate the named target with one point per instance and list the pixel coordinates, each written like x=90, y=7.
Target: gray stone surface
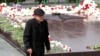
x=7, y=50
x=97, y=1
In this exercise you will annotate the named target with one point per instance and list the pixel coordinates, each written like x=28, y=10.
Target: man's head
x=39, y=14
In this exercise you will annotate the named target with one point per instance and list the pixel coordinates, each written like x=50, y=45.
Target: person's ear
x=34, y=15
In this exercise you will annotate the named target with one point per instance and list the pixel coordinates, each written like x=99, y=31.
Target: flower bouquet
x=57, y=47
x=94, y=47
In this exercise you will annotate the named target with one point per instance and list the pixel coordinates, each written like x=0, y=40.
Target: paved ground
x=7, y=50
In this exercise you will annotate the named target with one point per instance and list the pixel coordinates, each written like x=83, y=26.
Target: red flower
x=79, y=12
x=18, y=9
x=52, y=8
x=73, y=6
x=13, y=15
x=86, y=6
x=0, y=8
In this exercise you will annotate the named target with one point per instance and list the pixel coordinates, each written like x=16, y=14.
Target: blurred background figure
x=16, y=5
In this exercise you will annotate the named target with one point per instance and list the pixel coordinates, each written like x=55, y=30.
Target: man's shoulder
x=45, y=21
x=30, y=21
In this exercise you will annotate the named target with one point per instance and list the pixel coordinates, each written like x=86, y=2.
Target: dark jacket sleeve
x=47, y=42
x=27, y=36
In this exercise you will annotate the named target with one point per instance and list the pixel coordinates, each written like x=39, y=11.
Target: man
x=36, y=35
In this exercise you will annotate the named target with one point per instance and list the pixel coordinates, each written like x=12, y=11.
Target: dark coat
x=36, y=37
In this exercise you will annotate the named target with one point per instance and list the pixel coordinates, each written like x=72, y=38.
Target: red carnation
x=52, y=8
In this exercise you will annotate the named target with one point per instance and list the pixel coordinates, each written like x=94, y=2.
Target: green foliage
x=16, y=33
x=68, y=9
x=56, y=49
x=8, y=1
x=98, y=5
x=96, y=47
